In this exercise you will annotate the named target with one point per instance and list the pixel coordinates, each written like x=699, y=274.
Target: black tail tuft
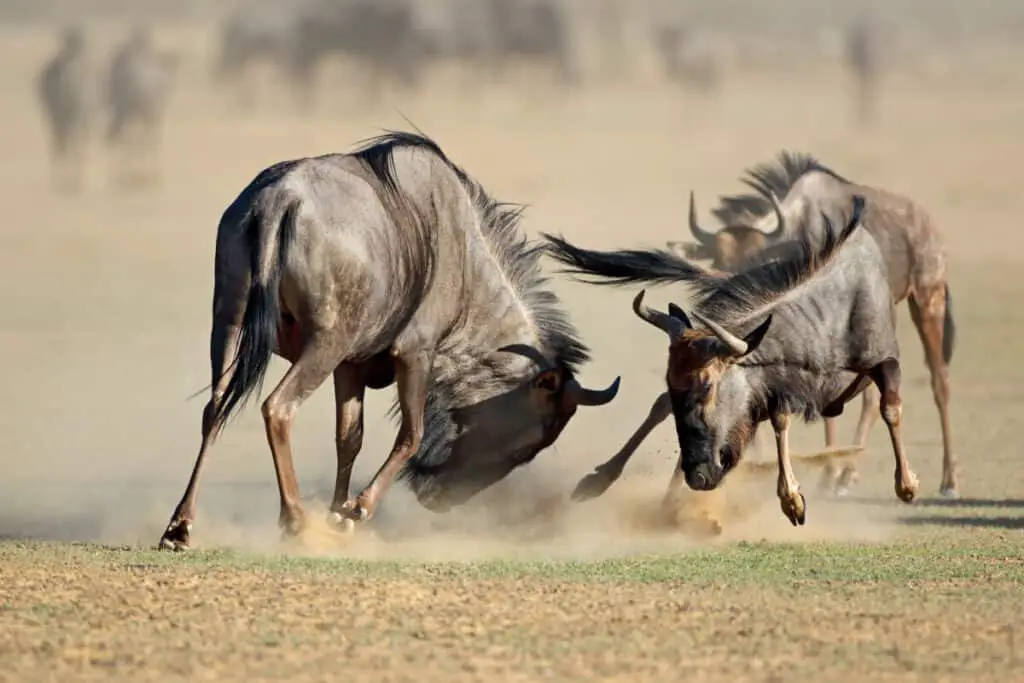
x=623, y=267
x=948, y=330
x=258, y=336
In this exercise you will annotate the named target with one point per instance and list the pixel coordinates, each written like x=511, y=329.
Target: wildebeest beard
x=697, y=445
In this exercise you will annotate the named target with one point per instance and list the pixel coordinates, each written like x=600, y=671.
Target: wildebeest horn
x=590, y=397
x=702, y=236
x=529, y=352
x=735, y=344
x=780, y=224
x=668, y=324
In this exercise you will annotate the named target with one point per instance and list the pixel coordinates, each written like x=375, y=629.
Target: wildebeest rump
x=800, y=333
x=389, y=264
x=906, y=234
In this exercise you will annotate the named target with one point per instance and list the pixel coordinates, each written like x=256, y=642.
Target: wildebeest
x=65, y=90
x=139, y=85
x=801, y=333
x=688, y=57
x=862, y=62
x=267, y=32
x=911, y=246
x=389, y=265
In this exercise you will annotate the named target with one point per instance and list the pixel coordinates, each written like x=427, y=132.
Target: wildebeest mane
x=778, y=177
x=773, y=273
x=520, y=263
x=723, y=297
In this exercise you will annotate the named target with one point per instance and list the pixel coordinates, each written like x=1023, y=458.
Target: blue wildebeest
x=862, y=62
x=389, y=265
x=911, y=246
x=800, y=333
x=139, y=85
x=255, y=32
x=65, y=90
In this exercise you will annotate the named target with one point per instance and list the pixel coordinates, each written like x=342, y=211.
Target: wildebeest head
x=733, y=245
x=713, y=422
x=502, y=432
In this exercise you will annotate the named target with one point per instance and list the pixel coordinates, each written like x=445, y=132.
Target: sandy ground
x=105, y=317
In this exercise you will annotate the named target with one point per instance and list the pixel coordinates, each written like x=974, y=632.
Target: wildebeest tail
x=269, y=238
x=625, y=266
x=948, y=330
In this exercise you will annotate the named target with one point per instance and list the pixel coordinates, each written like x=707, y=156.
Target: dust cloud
x=107, y=290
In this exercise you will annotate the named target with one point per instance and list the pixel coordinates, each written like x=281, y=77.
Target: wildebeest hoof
x=906, y=490
x=355, y=511
x=592, y=486
x=341, y=523
x=176, y=537
x=795, y=508
x=841, y=492
x=949, y=492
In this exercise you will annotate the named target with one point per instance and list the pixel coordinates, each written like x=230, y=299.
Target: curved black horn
x=780, y=219
x=580, y=396
x=735, y=344
x=530, y=352
x=673, y=327
x=702, y=236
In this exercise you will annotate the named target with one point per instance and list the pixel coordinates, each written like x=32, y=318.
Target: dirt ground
x=105, y=323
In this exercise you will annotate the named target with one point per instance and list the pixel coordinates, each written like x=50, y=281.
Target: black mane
x=520, y=261
x=778, y=177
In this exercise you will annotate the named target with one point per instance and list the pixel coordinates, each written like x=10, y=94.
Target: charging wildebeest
x=389, y=265
x=911, y=246
x=800, y=333
x=65, y=90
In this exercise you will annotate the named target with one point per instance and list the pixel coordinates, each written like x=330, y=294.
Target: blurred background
x=128, y=127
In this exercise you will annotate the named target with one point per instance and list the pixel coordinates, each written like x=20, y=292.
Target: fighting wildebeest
x=801, y=333
x=389, y=265
x=911, y=246
x=65, y=90
x=139, y=84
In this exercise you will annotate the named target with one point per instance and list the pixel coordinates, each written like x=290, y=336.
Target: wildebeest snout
x=701, y=477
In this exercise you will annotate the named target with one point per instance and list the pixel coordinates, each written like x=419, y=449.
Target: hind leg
x=887, y=377
x=223, y=345
x=929, y=315
x=320, y=355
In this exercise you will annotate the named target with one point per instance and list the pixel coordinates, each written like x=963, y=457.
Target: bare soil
x=105, y=323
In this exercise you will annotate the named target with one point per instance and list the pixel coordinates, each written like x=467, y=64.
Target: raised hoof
x=949, y=492
x=795, y=509
x=176, y=537
x=907, y=490
x=591, y=486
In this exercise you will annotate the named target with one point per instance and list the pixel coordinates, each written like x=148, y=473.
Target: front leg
x=794, y=506
x=411, y=374
x=596, y=483
x=887, y=377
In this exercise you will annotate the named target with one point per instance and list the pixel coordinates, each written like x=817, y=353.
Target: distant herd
x=391, y=265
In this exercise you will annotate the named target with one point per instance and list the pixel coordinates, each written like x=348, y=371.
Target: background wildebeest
x=910, y=243
x=66, y=93
x=386, y=265
x=798, y=334
x=862, y=61
x=139, y=84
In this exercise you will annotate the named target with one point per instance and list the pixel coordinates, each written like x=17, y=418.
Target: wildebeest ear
x=548, y=380
x=678, y=314
x=757, y=335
